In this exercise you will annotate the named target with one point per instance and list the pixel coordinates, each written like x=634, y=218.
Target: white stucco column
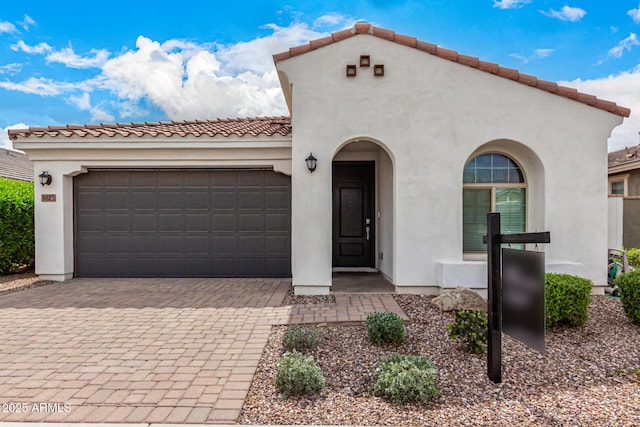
x=311, y=245
x=54, y=223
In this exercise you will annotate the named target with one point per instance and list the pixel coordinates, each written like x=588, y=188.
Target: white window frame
x=482, y=256
x=619, y=178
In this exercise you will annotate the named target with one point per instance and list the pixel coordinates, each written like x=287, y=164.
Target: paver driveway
x=152, y=350
x=147, y=350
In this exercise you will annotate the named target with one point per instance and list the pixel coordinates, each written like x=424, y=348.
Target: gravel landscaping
x=22, y=281
x=589, y=375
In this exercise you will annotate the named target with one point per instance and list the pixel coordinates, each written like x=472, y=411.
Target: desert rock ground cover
x=589, y=375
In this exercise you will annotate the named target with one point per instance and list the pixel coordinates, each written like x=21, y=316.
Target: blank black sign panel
x=523, y=310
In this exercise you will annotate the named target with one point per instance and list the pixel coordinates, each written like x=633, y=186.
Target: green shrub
x=469, y=327
x=17, y=245
x=298, y=374
x=301, y=338
x=633, y=255
x=567, y=299
x=385, y=327
x=404, y=379
x=629, y=289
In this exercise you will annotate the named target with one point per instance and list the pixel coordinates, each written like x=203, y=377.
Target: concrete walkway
x=146, y=350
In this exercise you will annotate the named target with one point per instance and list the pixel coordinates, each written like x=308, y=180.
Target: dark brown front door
x=353, y=214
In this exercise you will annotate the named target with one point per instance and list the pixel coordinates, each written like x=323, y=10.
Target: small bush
x=567, y=299
x=385, y=327
x=17, y=245
x=633, y=255
x=470, y=329
x=298, y=374
x=629, y=289
x=301, y=338
x=404, y=379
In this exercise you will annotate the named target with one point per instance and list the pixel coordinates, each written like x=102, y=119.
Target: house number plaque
x=48, y=198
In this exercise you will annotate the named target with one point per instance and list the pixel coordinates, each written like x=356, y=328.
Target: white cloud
x=567, y=13
x=27, y=22
x=185, y=80
x=190, y=88
x=635, y=15
x=625, y=44
x=5, y=142
x=622, y=89
x=256, y=55
x=99, y=115
x=40, y=48
x=510, y=4
x=95, y=59
x=330, y=19
x=39, y=86
x=11, y=69
x=537, y=54
x=68, y=57
x=83, y=101
x=7, y=27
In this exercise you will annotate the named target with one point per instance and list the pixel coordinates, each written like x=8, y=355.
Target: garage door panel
x=250, y=200
x=170, y=200
x=196, y=222
x=250, y=222
x=142, y=222
x=196, y=200
x=224, y=245
x=115, y=181
x=170, y=222
x=140, y=179
x=251, y=245
x=182, y=223
x=89, y=222
x=199, y=245
x=223, y=200
x=116, y=222
x=251, y=179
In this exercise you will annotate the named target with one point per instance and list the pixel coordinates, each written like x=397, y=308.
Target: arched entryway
x=363, y=208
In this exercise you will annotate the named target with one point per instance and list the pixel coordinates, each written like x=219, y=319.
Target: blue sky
x=121, y=61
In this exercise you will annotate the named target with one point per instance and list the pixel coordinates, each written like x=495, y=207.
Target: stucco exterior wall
x=432, y=115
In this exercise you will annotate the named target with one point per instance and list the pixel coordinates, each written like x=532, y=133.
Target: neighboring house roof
x=226, y=127
x=451, y=55
x=623, y=160
x=15, y=165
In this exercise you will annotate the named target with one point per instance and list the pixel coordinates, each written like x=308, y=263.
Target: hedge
x=17, y=246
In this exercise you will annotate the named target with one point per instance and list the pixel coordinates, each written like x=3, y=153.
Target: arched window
x=493, y=182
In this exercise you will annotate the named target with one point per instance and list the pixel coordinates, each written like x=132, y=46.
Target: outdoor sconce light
x=351, y=70
x=311, y=162
x=45, y=178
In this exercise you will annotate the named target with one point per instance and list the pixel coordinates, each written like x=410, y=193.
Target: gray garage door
x=182, y=223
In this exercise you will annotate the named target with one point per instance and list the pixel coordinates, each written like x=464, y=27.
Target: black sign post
x=494, y=240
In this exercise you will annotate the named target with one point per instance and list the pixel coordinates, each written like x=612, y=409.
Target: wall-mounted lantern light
x=311, y=162
x=45, y=178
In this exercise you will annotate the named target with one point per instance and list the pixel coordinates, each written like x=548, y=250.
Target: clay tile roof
x=267, y=126
x=15, y=165
x=451, y=55
x=626, y=155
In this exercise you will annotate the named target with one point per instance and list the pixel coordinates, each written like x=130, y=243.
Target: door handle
x=367, y=232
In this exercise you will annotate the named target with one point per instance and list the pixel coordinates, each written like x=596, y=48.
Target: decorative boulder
x=459, y=299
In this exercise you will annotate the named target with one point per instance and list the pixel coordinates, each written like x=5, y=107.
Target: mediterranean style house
x=394, y=153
